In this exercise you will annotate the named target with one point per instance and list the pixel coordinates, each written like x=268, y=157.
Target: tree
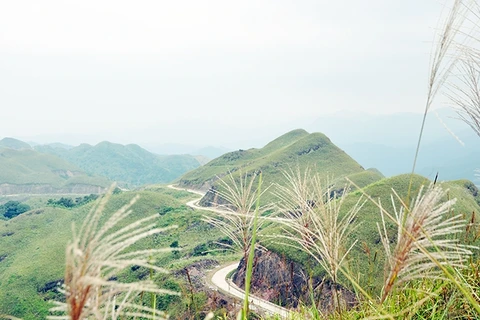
x=13, y=208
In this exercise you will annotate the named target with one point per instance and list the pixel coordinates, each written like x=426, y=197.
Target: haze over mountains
x=32, y=243
x=129, y=164
x=386, y=142
x=85, y=168
x=26, y=171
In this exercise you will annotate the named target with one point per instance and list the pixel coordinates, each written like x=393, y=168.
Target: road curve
x=218, y=277
x=219, y=280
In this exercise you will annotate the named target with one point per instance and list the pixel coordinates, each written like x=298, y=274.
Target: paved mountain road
x=218, y=277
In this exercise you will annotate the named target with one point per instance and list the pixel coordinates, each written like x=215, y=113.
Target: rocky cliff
x=287, y=283
x=213, y=199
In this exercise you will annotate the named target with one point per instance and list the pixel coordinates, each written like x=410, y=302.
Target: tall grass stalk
x=422, y=239
x=313, y=222
x=441, y=65
x=97, y=253
x=464, y=89
x=238, y=220
x=251, y=254
x=423, y=246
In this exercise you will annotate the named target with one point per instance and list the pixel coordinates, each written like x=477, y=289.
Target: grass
x=30, y=169
x=425, y=277
x=34, y=245
x=129, y=165
x=41, y=237
x=98, y=252
x=366, y=260
x=293, y=149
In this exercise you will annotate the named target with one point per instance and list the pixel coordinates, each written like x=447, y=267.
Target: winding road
x=218, y=277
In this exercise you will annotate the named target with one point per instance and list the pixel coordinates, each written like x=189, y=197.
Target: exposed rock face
x=7, y=188
x=194, y=275
x=286, y=283
x=202, y=186
x=213, y=199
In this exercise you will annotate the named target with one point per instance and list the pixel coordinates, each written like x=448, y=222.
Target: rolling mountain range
x=32, y=244
x=26, y=171
x=129, y=165
x=84, y=169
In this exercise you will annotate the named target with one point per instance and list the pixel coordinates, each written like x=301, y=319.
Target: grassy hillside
x=295, y=149
x=130, y=165
x=32, y=246
x=367, y=259
x=33, y=171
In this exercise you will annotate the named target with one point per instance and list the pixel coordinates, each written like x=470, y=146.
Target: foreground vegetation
x=32, y=250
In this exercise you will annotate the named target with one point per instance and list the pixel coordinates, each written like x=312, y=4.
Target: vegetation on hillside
x=67, y=202
x=13, y=208
x=294, y=149
x=98, y=252
x=36, y=170
x=32, y=250
x=129, y=165
x=421, y=235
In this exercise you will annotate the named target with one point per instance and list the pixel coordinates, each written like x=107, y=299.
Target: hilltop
x=14, y=144
x=28, y=171
x=130, y=165
x=295, y=149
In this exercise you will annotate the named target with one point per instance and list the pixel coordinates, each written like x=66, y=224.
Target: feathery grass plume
x=442, y=62
x=237, y=222
x=251, y=254
x=313, y=222
x=425, y=239
x=465, y=92
x=95, y=256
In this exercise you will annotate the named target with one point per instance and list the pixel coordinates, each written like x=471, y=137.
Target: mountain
x=14, y=144
x=297, y=148
x=129, y=165
x=30, y=171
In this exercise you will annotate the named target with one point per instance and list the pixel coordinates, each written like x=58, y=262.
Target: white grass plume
x=237, y=223
x=95, y=255
x=313, y=221
x=425, y=239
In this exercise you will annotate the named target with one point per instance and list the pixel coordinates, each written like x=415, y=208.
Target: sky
x=205, y=72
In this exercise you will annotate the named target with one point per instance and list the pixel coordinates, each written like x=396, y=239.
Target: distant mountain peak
x=294, y=149
x=13, y=143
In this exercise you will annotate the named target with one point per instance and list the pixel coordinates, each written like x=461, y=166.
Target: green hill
x=367, y=257
x=295, y=149
x=29, y=171
x=32, y=248
x=14, y=144
x=129, y=165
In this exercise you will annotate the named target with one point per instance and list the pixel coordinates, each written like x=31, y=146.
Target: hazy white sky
x=205, y=72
